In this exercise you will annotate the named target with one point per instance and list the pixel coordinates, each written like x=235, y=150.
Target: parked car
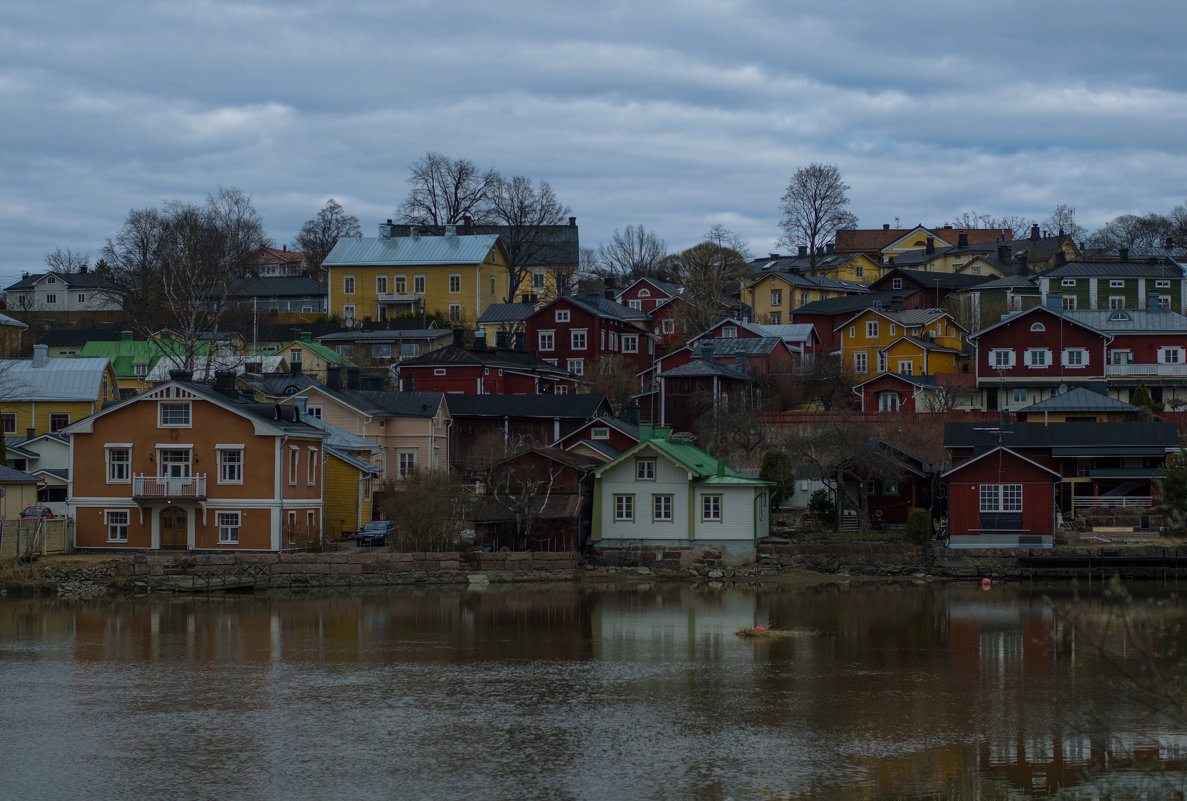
x=373, y=533
x=37, y=512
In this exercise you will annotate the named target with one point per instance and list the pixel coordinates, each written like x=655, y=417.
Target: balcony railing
x=1145, y=369
x=190, y=488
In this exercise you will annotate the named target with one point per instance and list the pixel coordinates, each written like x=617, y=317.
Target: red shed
x=1001, y=499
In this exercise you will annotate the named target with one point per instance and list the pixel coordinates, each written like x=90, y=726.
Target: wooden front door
x=174, y=528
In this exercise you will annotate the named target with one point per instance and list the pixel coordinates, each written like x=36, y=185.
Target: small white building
x=668, y=492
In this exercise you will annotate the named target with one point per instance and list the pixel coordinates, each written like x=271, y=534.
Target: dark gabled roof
x=925, y=279
x=667, y=287
x=824, y=262
x=1123, y=437
x=272, y=286
x=71, y=280
x=285, y=418
x=10, y=475
x=1013, y=281
x=630, y=429
x=506, y=313
x=1112, y=269
x=603, y=307
x=1129, y=321
x=1079, y=399
x=920, y=381
x=580, y=406
x=56, y=337
x=381, y=335
x=926, y=344
x=851, y=240
x=278, y=385
x=567, y=458
x=391, y=404
x=504, y=358
x=800, y=280
x=700, y=367
x=736, y=346
x=1015, y=316
x=848, y=304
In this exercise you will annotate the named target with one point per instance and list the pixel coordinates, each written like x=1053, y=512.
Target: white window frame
x=117, y=521
x=405, y=462
x=455, y=312
x=1032, y=353
x=635, y=305
x=418, y=284
x=116, y=475
x=1019, y=395
x=561, y=316
x=599, y=432
x=896, y=283
x=1162, y=284
x=311, y=467
x=294, y=463
x=1116, y=301
x=579, y=339
x=661, y=509
x=711, y=511
x=624, y=508
x=348, y=285
x=645, y=469
x=229, y=524
x=348, y=311
x=889, y=401
x=776, y=297
x=1170, y=355
x=455, y=283
x=871, y=329
x=1069, y=282
x=996, y=358
x=1116, y=283
x=576, y=366
x=630, y=343
x=381, y=285
x=1069, y=302
x=729, y=332
x=175, y=405
x=1075, y=358
x=546, y=340
x=861, y=363
x=1037, y=328
x=1001, y=498
x=906, y=367
x=667, y=326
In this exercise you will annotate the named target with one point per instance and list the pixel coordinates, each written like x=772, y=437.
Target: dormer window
x=1119, y=317
x=729, y=332
x=51, y=280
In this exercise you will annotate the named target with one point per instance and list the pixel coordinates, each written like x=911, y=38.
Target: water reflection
x=564, y=692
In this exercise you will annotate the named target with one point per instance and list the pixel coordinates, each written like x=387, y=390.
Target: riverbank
x=93, y=575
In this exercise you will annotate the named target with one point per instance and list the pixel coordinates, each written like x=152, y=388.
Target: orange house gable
x=186, y=466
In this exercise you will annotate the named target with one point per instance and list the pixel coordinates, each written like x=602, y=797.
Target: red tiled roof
x=872, y=240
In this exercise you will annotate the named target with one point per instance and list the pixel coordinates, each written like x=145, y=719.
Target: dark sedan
x=373, y=533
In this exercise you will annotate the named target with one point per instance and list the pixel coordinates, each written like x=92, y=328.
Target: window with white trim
x=1116, y=301
x=294, y=461
x=117, y=525
x=1038, y=357
x=1069, y=302
x=8, y=421
x=228, y=527
x=711, y=508
x=872, y=329
x=1001, y=497
x=119, y=464
x=578, y=339
x=311, y=467
x=1038, y=328
x=667, y=325
x=405, y=463
x=1068, y=282
x=630, y=343
x=1121, y=357
x=173, y=414
x=1162, y=284
x=348, y=311
x=1116, y=283
x=51, y=298
x=729, y=332
x=576, y=366
x=896, y=283
x=546, y=340
x=538, y=280
x=882, y=362
x=776, y=318
x=1170, y=355
x=624, y=508
x=906, y=367
x=599, y=432
x=636, y=305
x=860, y=362
x=661, y=508
x=381, y=284
x=1019, y=395
x=645, y=469
x=776, y=297
x=400, y=284
x=455, y=312
x=455, y=283
x=348, y=285
x=418, y=284
x=1001, y=358
x=562, y=315
x=1075, y=357
x=888, y=401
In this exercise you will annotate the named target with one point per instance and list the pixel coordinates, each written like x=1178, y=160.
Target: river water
x=946, y=691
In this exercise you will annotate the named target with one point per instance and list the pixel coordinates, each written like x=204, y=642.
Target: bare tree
x=67, y=261
x=632, y=253
x=174, y=267
x=814, y=206
x=1018, y=227
x=1131, y=230
x=445, y=191
x=709, y=274
x=425, y=508
x=525, y=493
x=318, y=236
x=723, y=236
x=613, y=377
x=529, y=215
x=1063, y=219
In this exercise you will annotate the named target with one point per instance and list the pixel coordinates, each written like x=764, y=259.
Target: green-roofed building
x=666, y=492
x=133, y=359
x=306, y=356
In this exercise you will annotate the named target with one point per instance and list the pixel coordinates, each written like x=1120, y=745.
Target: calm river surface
x=564, y=693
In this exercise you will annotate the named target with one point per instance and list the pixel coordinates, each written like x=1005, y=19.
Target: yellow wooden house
x=773, y=296
x=377, y=278
x=909, y=342
x=352, y=472
x=46, y=395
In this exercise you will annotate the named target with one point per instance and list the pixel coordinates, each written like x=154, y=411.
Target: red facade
x=575, y=335
x=875, y=394
x=472, y=379
x=644, y=295
x=1000, y=467
x=1041, y=346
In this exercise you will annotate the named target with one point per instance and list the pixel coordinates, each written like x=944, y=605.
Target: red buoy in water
x=760, y=628
x=985, y=583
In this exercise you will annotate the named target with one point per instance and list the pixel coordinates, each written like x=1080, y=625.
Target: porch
x=169, y=488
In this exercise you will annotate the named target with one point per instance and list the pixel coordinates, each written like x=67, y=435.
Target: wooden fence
x=23, y=539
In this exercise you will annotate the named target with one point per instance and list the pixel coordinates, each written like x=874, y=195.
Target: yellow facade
x=772, y=298
x=866, y=342
x=539, y=284
x=860, y=268
x=348, y=495
x=460, y=292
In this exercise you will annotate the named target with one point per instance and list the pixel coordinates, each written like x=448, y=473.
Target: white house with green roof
x=668, y=492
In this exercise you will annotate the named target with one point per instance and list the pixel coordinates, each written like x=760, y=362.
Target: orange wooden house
x=189, y=466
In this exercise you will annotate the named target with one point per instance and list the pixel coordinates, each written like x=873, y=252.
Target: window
x=1038, y=328
x=547, y=340
x=82, y=298
x=51, y=280
x=1115, y=283
x=853, y=332
x=295, y=356
x=173, y=462
x=1038, y=357
x=1068, y=282
x=538, y=280
x=599, y=432
x=493, y=288
x=51, y=298
x=1164, y=302
x=455, y=283
x=872, y=329
x=455, y=312
x=1162, y=284
x=315, y=411
x=405, y=463
x=578, y=339
x=1116, y=301
x=294, y=460
x=1120, y=357
x=418, y=284
x=1001, y=497
x=711, y=508
x=174, y=414
x=1069, y=303
x=661, y=508
x=1170, y=355
x=860, y=364
x=1001, y=358
x=1019, y=396
x=776, y=297
x=140, y=370
x=230, y=463
x=311, y=467
x=891, y=330
x=881, y=362
x=859, y=271
x=8, y=420
x=888, y=401
x=1075, y=357
x=630, y=343
x=401, y=284
x=119, y=464
x=348, y=285
x=906, y=368
x=644, y=293
x=776, y=318
x=381, y=351
x=805, y=298
x=562, y=315
x=344, y=350
x=381, y=284
x=58, y=421
x=439, y=371
x=228, y=528
x=729, y=332
x=561, y=389
x=645, y=470
x=624, y=508
x=668, y=326
x=409, y=350
x=117, y=525
x=637, y=305
x=896, y=283
x=576, y=366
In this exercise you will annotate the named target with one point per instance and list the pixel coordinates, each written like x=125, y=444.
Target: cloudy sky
x=673, y=115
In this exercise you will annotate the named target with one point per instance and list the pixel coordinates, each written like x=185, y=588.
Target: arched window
x=1038, y=327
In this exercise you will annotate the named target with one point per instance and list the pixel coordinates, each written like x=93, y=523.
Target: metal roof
x=1129, y=320
x=10, y=475
x=507, y=313
x=1079, y=399
x=58, y=379
x=1112, y=269
x=582, y=405
x=411, y=250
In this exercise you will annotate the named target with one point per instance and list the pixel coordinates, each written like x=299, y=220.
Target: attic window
x=729, y=332
x=1119, y=316
x=600, y=432
x=1038, y=328
x=644, y=293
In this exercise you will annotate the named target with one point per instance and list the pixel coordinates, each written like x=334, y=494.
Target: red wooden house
x=480, y=370
x=647, y=294
x=999, y=499
x=604, y=437
x=576, y=333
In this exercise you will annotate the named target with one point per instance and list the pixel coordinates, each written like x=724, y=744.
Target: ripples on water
x=558, y=694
